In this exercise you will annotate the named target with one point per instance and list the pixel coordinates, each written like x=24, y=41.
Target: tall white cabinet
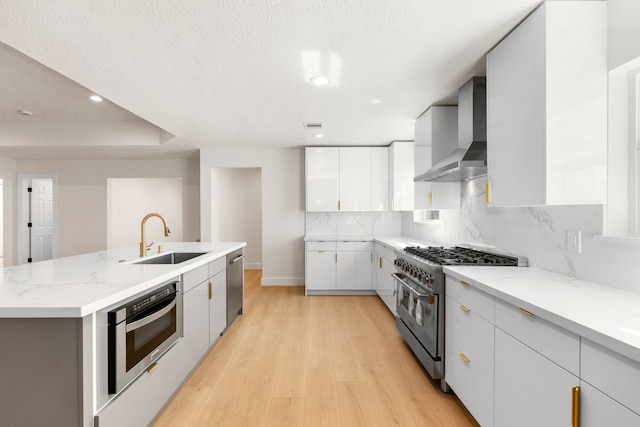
x=401, y=174
x=347, y=179
x=547, y=108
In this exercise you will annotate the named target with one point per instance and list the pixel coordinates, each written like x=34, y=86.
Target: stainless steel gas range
x=421, y=291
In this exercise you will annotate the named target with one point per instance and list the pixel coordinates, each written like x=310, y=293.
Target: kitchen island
x=53, y=333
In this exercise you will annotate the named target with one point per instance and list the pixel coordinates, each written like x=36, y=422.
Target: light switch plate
x=574, y=241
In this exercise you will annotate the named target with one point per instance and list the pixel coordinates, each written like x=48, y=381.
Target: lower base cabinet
x=530, y=390
x=384, y=283
x=342, y=267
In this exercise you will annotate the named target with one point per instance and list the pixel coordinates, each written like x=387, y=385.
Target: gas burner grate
x=460, y=256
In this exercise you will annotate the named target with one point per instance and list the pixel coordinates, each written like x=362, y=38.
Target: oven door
x=418, y=309
x=137, y=341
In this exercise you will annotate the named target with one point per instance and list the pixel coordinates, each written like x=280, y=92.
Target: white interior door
x=42, y=228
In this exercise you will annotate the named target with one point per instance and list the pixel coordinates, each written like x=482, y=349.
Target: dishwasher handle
x=236, y=259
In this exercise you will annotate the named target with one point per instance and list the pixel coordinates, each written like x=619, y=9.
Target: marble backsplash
x=539, y=233
x=353, y=224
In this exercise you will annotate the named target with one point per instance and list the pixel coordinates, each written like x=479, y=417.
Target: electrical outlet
x=574, y=241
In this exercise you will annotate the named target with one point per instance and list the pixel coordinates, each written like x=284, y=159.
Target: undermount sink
x=171, y=258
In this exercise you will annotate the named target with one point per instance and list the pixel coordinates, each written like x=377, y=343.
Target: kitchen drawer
x=385, y=251
x=611, y=373
x=471, y=386
x=472, y=335
x=346, y=246
x=598, y=409
x=193, y=278
x=321, y=246
x=465, y=294
x=553, y=342
x=217, y=265
x=364, y=246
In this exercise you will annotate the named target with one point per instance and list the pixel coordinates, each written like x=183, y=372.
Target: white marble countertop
x=79, y=285
x=396, y=242
x=605, y=315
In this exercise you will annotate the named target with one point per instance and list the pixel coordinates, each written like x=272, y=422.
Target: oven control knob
x=397, y=262
x=428, y=279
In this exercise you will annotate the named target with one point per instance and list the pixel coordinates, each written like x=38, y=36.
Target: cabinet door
x=321, y=270
x=516, y=115
x=322, y=176
x=379, y=179
x=530, y=390
x=345, y=270
x=217, y=306
x=401, y=174
x=355, y=179
x=386, y=285
x=364, y=264
x=597, y=409
x=196, y=323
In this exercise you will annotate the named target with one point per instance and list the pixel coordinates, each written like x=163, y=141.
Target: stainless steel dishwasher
x=235, y=285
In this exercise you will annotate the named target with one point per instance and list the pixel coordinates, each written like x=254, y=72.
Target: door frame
x=23, y=182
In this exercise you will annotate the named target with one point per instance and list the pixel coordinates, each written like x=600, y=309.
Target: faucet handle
x=149, y=245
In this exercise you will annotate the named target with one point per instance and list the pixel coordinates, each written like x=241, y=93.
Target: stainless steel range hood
x=469, y=161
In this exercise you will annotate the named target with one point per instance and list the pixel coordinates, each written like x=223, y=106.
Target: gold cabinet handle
x=489, y=192
x=152, y=367
x=338, y=204
x=523, y=311
x=575, y=407
x=210, y=290
x=380, y=262
x=430, y=198
x=465, y=309
x=336, y=257
x=464, y=283
x=464, y=358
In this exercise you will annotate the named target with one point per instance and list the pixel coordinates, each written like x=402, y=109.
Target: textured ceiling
x=235, y=72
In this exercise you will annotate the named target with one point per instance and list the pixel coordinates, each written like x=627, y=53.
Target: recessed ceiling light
x=319, y=81
x=95, y=98
x=318, y=135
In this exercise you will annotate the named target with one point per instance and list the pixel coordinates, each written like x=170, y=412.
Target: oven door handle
x=430, y=298
x=151, y=318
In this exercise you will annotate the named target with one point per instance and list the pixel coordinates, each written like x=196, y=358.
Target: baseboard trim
x=282, y=281
x=340, y=292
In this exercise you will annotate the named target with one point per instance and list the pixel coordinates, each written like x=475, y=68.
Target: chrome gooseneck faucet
x=143, y=245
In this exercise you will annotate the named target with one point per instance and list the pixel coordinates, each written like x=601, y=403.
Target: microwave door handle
x=429, y=297
x=151, y=318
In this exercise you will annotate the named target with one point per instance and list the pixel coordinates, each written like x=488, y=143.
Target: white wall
x=283, y=220
x=236, y=210
x=129, y=200
x=8, y=173
x=82, y=190
x=1, y=220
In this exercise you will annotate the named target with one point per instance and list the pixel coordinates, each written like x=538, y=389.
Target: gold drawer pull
x=464, y=358
x=152, y=367
x=575, y=407
x=523, y=311
x=464, y=283
x=465, y=309
x=489, y=192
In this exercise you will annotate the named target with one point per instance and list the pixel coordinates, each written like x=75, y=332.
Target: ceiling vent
x=312, y=125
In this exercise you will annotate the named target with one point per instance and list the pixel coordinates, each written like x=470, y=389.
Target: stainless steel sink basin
x=171, y=258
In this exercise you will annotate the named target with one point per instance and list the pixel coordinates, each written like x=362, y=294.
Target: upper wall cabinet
x=547, y=108
x=347, y=179
x=401, y=173
x=436, y=137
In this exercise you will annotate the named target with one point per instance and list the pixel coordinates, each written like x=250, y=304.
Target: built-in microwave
x=140, y=331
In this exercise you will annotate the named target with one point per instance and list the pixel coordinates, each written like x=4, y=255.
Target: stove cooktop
x=458, y=255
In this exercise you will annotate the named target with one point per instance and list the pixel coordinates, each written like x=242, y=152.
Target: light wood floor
x=292, y=360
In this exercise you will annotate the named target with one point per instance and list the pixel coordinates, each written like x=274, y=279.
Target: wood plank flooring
x=292, y=360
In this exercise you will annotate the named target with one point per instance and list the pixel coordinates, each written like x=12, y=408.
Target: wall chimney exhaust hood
x=470, y=159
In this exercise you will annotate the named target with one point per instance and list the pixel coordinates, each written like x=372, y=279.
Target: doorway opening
x=236, y=210
x=37, y=217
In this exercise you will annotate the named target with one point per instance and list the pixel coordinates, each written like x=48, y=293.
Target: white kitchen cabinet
x=530, y=390
x=436, y=136
x=343, y=266
x=196, y=323
x=597, y=409
x=384, y=284
x=320, y=271
x=355, y=179
x=379, y=179
x=401, y=174
x=322, y=179
x=217, y=305
x=547, y=108
x=469, y=352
